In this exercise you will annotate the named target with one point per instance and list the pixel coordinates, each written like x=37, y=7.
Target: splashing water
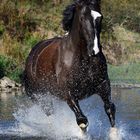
x=61, y=124
x=114, y=134
x=121, y=134
x=31, y=121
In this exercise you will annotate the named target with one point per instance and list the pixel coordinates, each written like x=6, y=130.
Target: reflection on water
x=20, y=119
x=7, y=105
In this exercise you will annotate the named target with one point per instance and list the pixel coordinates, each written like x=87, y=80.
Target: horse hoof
x=82, y=123
x=83, y=127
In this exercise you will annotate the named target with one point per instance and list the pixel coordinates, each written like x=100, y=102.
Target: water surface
x=20, y=119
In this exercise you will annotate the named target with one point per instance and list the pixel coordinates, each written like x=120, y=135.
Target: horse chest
x=68, y=58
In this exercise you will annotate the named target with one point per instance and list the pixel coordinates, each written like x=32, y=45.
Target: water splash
x=31, y=121
x=61, y=124
x=115, y=134
x=122, y=133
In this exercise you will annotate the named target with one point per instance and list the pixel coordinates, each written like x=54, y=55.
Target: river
x=20, y=119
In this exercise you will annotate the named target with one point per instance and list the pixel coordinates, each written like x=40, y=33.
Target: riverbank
x=8, y=86
x=124, y=85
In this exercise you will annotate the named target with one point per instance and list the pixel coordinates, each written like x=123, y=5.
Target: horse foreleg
x=110, y=109
x=80, y=117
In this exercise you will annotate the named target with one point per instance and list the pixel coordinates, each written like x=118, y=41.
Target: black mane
x=68, y=15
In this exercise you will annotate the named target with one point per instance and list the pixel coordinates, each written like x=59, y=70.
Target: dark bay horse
x=72, y=67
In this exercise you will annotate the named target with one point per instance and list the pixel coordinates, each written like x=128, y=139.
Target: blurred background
x=23, y=23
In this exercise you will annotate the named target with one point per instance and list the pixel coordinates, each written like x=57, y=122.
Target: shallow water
x=20, y=119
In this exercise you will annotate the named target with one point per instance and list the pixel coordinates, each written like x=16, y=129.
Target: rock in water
x=7, y=84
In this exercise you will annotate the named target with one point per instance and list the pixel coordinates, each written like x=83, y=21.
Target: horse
x=72, y=67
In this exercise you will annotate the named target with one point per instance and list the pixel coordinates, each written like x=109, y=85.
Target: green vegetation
x=25, y=22
x=128, y=73
x=124, y=48
x=121, y=31
x=10, y=68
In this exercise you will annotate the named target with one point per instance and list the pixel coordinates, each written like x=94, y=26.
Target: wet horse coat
x=72, y=67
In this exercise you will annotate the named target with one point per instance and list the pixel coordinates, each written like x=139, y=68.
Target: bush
x=9, y=68
x=121, y=12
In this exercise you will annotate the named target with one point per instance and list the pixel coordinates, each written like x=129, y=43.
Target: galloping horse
x=72, y=67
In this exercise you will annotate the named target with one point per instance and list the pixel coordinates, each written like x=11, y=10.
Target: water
x=20, y=119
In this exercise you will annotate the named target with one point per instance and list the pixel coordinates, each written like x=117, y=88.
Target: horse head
x=89, y=17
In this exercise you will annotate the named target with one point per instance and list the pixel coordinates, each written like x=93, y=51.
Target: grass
x=122, y=46
x=128, y=73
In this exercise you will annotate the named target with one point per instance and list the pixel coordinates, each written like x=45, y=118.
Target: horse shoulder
x=40, y=59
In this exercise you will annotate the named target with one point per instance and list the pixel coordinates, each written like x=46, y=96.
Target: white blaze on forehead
x=95, y=15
